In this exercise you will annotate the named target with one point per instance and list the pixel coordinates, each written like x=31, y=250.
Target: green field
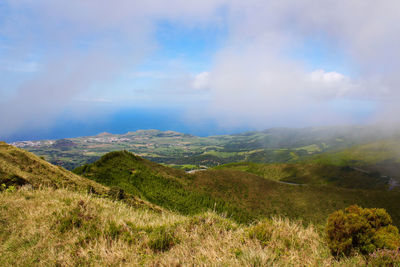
x=172, y=148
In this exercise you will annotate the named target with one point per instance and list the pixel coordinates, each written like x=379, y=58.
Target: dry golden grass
x=37, y=172
x=57, y=227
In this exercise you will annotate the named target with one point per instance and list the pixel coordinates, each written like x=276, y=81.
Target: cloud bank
x=256, y=79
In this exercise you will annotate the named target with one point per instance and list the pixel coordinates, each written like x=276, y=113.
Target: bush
x=384, y=257
x=360, y=230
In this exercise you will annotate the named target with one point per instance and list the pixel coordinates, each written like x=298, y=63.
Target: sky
x=73, y=68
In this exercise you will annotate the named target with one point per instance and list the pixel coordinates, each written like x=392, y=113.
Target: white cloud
x=327, y=77
x=201, y=81
x=255, y=82
x=252, y=80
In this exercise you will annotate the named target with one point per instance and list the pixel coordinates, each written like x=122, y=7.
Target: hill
x=381, y=157
x=189, y=151
x=314, y=173
x=241, y=195
x=52, y=220
x=59, y=227
x=385, y=150
x=167, y=187
x=20, y=167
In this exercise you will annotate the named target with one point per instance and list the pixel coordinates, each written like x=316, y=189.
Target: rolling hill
x=20, y=167
x=315, y=173
x=239, y=194
x=50, y=219
x=189, y=151
x=211, y=217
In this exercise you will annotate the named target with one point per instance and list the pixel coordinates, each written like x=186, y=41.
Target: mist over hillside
x=199, y=133
x=190, y=151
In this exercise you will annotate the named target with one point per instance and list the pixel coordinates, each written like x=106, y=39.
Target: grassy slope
x=48, y=227
x=242, y=195
x=369, y=153
x=380, y=156
x=18, y=164
x=312, y=173
x=368, y=166
x=308, y=202
x=163, y=186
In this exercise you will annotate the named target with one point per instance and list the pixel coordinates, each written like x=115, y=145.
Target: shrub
x=384, y=257
x=360, y=230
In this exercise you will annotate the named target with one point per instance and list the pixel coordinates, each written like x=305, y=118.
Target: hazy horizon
x=73, y=68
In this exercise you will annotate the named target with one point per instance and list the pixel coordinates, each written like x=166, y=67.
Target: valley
x=225, y=190
x=189, y=152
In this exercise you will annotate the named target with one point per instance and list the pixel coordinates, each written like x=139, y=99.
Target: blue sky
x=78, y=68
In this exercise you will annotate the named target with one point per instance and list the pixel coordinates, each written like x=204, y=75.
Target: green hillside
x=381, y=157
x=314, y=173
x=386, y=150
x=312, y=203
x=50, y=220
x=179, y=149
x=241, y=195
x=167, y=187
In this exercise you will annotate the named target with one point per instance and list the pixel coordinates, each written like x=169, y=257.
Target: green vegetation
x=59, y=227
x=386, y=150
x=163, y=186
x=313, y=173
x=361, y=230
x=172, y=148
x=241, y=195
x=384, y=257
x=162, y=238
x=262, y=232
x=310, y=203
x=226, y=216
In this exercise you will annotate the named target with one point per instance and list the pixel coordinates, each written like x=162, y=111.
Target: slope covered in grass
x=20, y=167
x=50, y=221
x=241, y=195
x=381, y=157
x=310, y=203
x=48, y=227
x=167, y=187
x=314, y=173
x=387, y=150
